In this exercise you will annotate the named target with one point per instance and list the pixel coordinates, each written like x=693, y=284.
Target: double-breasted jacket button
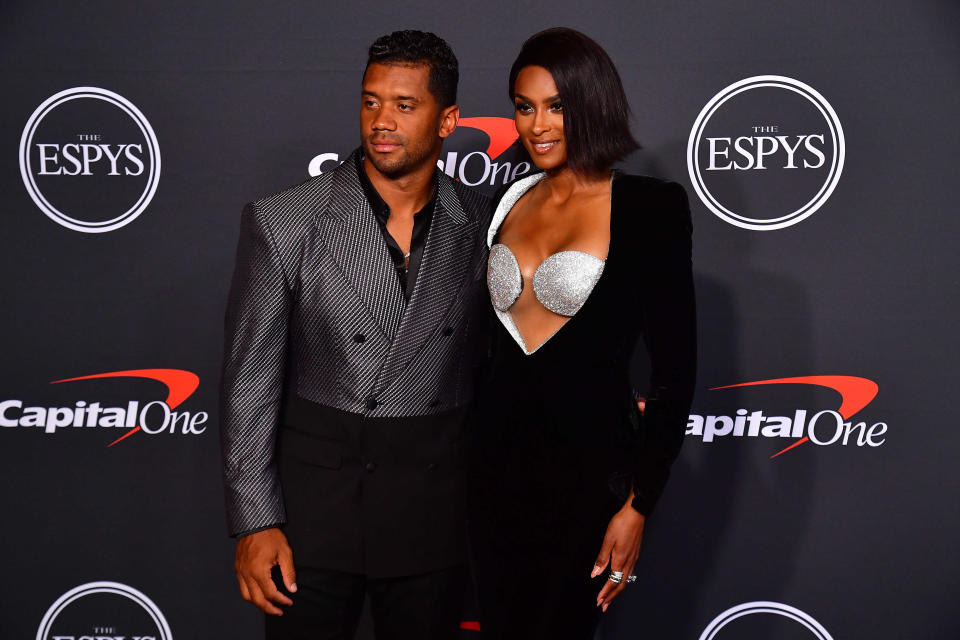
x=448, y=331
x=370, y=466
x=359, y=338
x=371, y=403
x=432, y=466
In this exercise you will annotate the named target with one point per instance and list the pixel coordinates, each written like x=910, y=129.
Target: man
x=351, y=332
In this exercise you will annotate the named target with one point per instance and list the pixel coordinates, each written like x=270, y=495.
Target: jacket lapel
x=446, y=255
x=355, y=243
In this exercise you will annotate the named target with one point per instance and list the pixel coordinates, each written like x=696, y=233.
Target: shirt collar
x=379, y=206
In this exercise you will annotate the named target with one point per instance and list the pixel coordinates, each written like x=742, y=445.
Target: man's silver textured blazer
x=315, y=308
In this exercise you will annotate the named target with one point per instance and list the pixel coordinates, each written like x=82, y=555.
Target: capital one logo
x=104, y=611
x=89, y=160
x=753, y=620
x=827, y=427
x=472, y=166
x=766, y=153
x=154, y=417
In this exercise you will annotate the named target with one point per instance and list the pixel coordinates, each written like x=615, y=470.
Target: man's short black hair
x=596, y=116
x=421, y=47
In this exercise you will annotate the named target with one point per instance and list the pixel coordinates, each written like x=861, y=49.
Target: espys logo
x=104, y=611
x=766, y=152
x=752, y=620
x=823, y=428
x=472, y=168
x=154, y=417
x=89, y=159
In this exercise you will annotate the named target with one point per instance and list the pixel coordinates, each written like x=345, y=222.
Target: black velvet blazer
x=656, y=215
x=564, y=419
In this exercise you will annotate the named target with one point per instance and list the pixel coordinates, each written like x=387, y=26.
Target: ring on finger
x=616, y=577
x=631, y=579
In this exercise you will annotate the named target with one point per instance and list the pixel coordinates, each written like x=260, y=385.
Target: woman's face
x=539, y=117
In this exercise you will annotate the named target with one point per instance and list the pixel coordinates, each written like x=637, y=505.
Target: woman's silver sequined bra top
x=562, y=283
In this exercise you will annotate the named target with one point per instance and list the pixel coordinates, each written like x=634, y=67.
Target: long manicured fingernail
x=605, y=607
x=596, y=571
x=293, y=588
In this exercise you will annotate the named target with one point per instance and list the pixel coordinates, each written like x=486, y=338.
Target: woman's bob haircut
x=596, y=116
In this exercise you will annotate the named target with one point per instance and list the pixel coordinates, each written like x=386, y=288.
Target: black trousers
x=328, y=604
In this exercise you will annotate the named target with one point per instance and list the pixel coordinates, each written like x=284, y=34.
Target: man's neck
x=405, y=195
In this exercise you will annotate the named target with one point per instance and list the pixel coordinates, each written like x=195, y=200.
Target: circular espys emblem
x=766, y=152
x=104, y=610
x=761, y=620
x=89, y=159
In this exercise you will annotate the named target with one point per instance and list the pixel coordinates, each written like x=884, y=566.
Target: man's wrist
x=249, y=532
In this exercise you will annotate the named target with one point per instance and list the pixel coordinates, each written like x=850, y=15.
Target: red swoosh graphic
x=470, y=625
x=501, y=131
x=180, y=386
x=855, y=394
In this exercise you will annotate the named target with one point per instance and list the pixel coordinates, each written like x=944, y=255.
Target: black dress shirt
x=406, y=271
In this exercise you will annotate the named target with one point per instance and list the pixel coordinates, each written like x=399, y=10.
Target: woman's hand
x=620, y=550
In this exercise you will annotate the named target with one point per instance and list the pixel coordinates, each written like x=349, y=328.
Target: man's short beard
x=401, y=167
x=392, y=170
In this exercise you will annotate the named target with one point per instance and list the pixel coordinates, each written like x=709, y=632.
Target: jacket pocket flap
x=310, y=449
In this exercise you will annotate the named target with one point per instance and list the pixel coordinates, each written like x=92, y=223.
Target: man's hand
x=621, y=548
x=256, y=556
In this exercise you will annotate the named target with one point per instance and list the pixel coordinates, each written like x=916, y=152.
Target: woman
x=564, y=469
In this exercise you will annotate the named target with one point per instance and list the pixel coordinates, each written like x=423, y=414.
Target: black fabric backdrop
x=243, y=95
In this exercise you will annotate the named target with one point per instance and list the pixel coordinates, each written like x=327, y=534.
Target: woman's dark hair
x=421, y=47
x=596, y=116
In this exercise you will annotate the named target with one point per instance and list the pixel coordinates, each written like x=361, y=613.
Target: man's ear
x=448, y=120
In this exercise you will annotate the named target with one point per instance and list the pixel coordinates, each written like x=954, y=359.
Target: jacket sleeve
x=254, y=360
x=670, y=334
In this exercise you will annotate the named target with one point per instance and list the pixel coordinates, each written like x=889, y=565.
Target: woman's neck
x=563, y=183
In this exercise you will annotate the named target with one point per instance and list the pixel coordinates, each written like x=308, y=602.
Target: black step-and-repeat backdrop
x=817, y=493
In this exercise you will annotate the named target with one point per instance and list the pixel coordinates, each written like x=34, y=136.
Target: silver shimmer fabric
x=562, y=283
x=504, y=279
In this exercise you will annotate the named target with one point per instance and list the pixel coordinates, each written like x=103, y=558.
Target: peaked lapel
x=355, y=243
x=446, y=255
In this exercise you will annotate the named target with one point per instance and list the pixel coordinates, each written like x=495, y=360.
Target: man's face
x=401, y=124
